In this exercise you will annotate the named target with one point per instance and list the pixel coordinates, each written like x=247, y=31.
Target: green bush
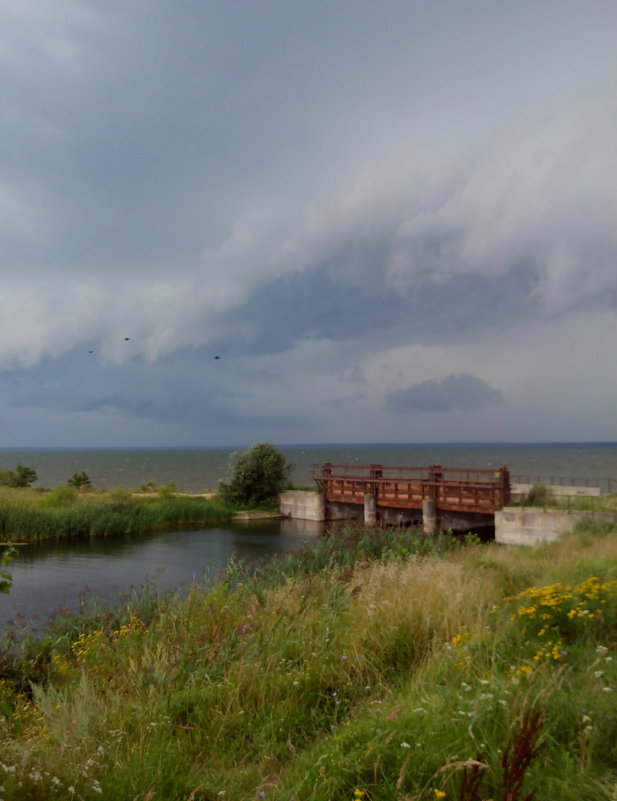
x=80, y=480
x=256, y=476
x=539, y=495
x=167, y=490
x=20, y=477
x=61, y=496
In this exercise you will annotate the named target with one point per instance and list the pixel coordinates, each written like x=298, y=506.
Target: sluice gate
x=435, y=490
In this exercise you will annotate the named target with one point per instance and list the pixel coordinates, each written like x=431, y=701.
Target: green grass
x=64, y=513
x=542, y=495
x=379, y=665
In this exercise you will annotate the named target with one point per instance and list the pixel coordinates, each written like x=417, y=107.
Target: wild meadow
x=377, y=665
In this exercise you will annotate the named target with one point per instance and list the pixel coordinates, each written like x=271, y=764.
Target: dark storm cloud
x=192, y=392
x=320, y=305
x=462, y=392
x=310, y=191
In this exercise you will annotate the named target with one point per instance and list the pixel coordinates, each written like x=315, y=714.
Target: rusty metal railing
x=452, y=489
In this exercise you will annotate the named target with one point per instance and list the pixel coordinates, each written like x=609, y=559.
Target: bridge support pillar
x=429, y=516
x=370, y=510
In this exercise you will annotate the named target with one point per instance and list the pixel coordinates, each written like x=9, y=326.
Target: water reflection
x=50, y=576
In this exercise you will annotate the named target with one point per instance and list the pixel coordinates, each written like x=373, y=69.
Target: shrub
x=21, y=477
x=539, y=495
x=256, y=476
x=80, y=480
x=61, y=496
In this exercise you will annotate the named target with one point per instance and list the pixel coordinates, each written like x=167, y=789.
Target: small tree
x=20, y=477
x=255, y=476
x=80, y=480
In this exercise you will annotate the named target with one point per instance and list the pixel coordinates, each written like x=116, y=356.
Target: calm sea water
x=198, y=469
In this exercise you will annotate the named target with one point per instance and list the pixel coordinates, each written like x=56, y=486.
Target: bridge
x=435, y=490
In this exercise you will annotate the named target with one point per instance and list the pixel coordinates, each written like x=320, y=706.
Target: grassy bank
x=380, y=665
x=64, y=513
x=545, y=496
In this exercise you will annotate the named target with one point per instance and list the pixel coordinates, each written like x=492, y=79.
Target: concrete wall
x=302, y=505
x=345, y=511
x=519, y=491
x=529, y=525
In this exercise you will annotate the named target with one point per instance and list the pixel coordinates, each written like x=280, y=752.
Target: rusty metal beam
x=452, y=489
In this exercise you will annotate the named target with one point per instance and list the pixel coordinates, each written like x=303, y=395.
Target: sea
x=200, y=469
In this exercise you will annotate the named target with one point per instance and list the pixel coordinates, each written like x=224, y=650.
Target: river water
x=47, y=577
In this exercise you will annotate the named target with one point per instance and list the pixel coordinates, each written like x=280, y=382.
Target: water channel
x=60, y=575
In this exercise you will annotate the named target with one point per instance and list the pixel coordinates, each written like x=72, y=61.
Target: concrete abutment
x=306, y=505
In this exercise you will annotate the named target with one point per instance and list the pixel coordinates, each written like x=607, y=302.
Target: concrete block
x=302, y=505
x=370, y=510
x=530, y=525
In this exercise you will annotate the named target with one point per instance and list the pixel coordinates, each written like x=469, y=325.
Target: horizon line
x=372, y=444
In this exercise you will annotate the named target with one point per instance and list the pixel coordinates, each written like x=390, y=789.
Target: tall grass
x=66, y=514
x=385, y=671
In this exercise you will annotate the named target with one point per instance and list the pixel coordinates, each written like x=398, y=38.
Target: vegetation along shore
x=377, y=664
x=73, y=511
x=64, y=513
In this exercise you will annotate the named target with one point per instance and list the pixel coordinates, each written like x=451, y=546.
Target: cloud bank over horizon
x=390, y=223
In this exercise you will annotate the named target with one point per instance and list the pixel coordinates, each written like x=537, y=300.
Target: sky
x=229, y=221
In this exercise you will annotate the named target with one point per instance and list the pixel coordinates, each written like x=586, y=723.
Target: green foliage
x=20, y=477
x=403, y=671
x=539, y=495
x=6, y=579
x=60, y=497
x=80, y=480
x=256, y=476
x=65, y=514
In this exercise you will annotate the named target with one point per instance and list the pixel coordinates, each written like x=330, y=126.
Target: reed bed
x=65, y=513
x=398, y=670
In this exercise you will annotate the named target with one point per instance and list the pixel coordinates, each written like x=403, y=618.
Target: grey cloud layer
x=306, y=191
x=465, y=392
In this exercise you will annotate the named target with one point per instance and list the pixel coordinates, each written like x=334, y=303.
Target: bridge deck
x=453, y=490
